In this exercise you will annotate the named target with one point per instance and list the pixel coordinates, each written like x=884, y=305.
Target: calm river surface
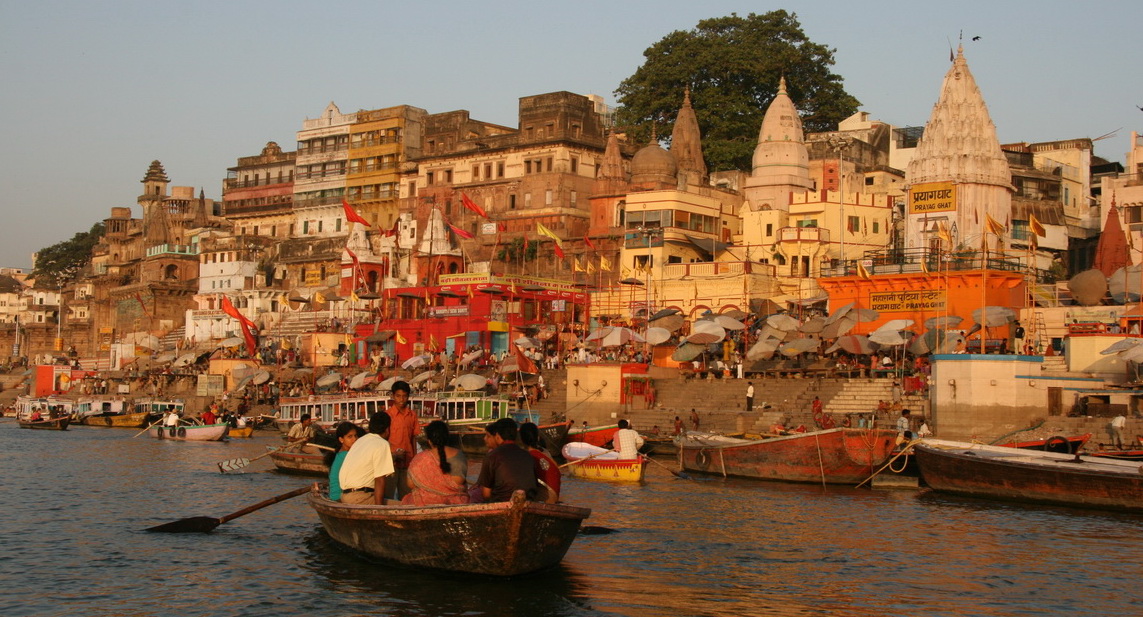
x=76, y=502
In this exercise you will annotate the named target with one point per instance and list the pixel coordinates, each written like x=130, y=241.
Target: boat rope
x=1007, y=435
x=821, y=465
x=905, y=448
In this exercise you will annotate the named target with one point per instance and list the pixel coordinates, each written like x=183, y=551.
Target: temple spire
x=686, y=144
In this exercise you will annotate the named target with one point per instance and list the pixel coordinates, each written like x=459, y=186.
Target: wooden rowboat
x=507, y=538
x=244, y=432
x=832, y=456
x=1059, y=443
x=122, y=420
x=191, y=432
x=1009, y=474
x=594, y=463
x=300, y=463
x=47, y=424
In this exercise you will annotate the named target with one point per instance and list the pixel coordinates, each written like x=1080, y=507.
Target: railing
x=803, y=234
x=908, y=261
x=173, y=249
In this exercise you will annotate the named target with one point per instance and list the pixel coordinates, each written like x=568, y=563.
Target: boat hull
x=1026, y=476
x=596, y=436
x=54, y=424
x=208, y=432
x=125, y=420
x=300, y=463
x=1064, y=445
x=626, y=470
x=245, y=432
x=834, y=456
x=497, y=539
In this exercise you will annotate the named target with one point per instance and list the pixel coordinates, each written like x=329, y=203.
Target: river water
x=76, y=502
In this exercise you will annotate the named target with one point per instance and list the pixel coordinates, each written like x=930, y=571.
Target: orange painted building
x=920, y=296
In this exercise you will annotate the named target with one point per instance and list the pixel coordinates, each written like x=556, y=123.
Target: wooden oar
x=239, y=463
x=205, y=524
x=677, y=474
x=146, y=429
x=586, y=458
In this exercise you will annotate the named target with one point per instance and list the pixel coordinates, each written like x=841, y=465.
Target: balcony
x=803, y=234
x=172, y=249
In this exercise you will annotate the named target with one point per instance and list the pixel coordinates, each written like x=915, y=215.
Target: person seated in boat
x=36, y=415
x=208, y=416
x=172, y=418
x=347, y=434
x=904, y=429
x=546, y=469
x=437, y=475
x=506, y=468
x=301, y=433
x=627, y=441
x=365, y=473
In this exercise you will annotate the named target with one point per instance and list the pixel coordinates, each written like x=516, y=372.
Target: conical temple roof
x=686, y=141
x=1111, y=253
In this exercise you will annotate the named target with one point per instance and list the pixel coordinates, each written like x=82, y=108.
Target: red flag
x=525, y=243
x=589, y=243
x=523, y=363
x=471, y=205
x=143, y=305
x=351, y=215
x=353, y=258
x=460, y=232
x=559, y=250
x=248, y=328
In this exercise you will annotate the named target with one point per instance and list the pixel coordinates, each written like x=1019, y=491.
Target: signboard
x=210, y=385
x=488, y=229
x=448, y=311
x=559, y=306
x=931, y=197
x=897, y=301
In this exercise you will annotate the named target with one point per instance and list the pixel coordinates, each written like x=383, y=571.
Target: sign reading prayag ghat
x=919, y=300
x=932, y=197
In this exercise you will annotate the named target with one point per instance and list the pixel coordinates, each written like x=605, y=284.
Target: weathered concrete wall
x=978, y=396
x=593, y=393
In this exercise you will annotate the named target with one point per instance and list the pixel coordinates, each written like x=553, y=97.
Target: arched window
x=171, y=272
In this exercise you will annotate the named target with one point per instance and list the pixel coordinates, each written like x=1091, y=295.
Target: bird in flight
x=976, y=38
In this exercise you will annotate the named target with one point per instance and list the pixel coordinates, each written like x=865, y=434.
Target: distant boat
x=190, y=432
x=594, y=463
x=45, y=424
x=1059, y=443
x=458, y=408
x=243, y=432
x=995, y=472
x=507, y=538
x=832, y=456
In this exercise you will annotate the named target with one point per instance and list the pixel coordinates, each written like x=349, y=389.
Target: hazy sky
x=92, y=91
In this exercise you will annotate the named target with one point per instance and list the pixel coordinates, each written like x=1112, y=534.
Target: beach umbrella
x=422, y=377
x=416, y=362
x=360, y=380
x=840, y=312
x=233, y=341
x=670, y=322
x=568, y=339
x=260, y=378
x=863, y=314
x=1134, y=354
x=165, y=357
x=894, y=325
x=656, y=336
x=736, y=314
x=687, y=352
x=186, y=359
x=888, y=338
x=799, y=345
x=528, y=342
x=762, y=349
x=328, y=380
x=838, y=327
x=728, y=323
x=937, y=341
x=1124, y=284
x=1121, y=345
x=993, y=316
x=387, y=384
x=664, y=313
x=470, y=381
x=853, y=343
x=813, y=325
x=784, y=323
x=944, y=321
x=243, y=371
x=706, y=332
x=471, y=356
x=615, y=336
x=1088, y=287
x=599, y=333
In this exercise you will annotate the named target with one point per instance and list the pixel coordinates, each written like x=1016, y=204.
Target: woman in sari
x=546, y=468
x=437, y=475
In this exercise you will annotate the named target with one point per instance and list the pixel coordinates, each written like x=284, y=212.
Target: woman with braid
x=437, y=475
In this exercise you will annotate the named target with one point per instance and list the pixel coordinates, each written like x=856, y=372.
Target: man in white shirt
x=627, y=441
x=1118, y=423
x=750, y=396
x=368, y=464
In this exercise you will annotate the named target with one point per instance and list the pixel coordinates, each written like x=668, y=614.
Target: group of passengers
x=382, y=464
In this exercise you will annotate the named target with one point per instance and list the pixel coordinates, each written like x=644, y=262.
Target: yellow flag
x=626, y=272
x=471, y=294
x=604, y=264
x=1035, y=226
x=353, y=296
x=590, y=267
x=544, y=231
x=576, y=267
x=992, y=226
x=401, y=339
x=432, y=342
x=318, y=297
x=943, y=232
x=284, y=300
x=861, y=271
x=924, y=265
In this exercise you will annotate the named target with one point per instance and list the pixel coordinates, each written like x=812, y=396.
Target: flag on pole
x=318, y=297
x=587, y=241
x=471, y=205
x=992, y=225
x=943, y=232
x=401, y=339
x=249, y=330
x=862, y=272
x=351, y=215
x=576, y=267
x=143, y=305
x=433, y=342
x=460, y=232
x=353, y=297
x=471, y=294
x=604, y=264
x=924, y=265
x=353, y=258
x=1035, y=226
x=523, y=363
x=591, y=267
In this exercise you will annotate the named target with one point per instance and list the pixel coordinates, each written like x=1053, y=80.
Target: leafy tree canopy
x=732, y=66
x=60, y=263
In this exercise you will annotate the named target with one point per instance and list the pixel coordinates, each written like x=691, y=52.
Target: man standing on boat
x=404, y=431
x=627, y=441
x=507, y=468
x=368, y=465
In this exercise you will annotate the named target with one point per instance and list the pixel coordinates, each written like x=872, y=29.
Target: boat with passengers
x=459, y=409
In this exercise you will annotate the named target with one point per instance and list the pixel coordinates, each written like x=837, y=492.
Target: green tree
x=60, y=263
x=732, y=66
x=514, y=251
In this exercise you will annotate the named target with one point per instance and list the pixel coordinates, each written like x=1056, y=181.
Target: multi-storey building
x=258, y=193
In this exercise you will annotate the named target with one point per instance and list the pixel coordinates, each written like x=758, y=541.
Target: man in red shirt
x=402, y=433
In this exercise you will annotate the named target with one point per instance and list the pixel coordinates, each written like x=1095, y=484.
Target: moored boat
x=299, y=463
x=994, y=472
x=244, y=432
x=190, y=432
x=594, y=463
x=832, y=456
x=594, y=435
x=1058, y=443
x=45, y=424
x=496, y=539
x=117, y=420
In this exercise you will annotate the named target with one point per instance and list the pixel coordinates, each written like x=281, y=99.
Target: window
x=548, y=197
x=853, y=224
x=429, y=177
x=527, y=200
x=769, y=229
x=511, y=202
x=337, y=225
x=876, y=226
x=808, y=223
x=574, y=165
x=573, y=196
x=500, y=169
x=475, y=173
